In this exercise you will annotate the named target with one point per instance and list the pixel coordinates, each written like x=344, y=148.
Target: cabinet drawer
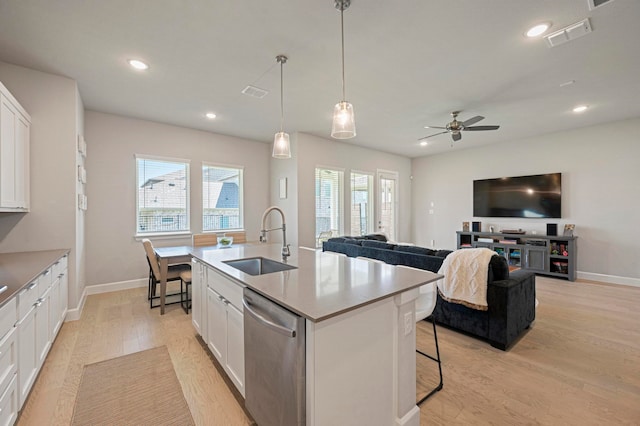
x=8, y=317
x=9, y=403
x=27, y=297
x=59, y=267
x=8, y=359
x=225, y=287
x=44, y=281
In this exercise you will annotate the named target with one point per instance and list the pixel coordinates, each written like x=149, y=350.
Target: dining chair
x=173, y=274
x=185, y=295
x=425, y=304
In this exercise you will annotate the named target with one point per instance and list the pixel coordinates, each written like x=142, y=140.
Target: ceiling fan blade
x=482, y=128
x=472, y=120
x=456, y=136
x=434, y=127
x=435, y=134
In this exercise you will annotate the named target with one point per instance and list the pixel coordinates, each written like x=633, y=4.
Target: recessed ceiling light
x=538, y=30
x=424, y=143
x=139, y=65
x=580, y=108
x=210, y=115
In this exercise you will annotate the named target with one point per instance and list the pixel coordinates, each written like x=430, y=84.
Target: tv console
x=555, y=256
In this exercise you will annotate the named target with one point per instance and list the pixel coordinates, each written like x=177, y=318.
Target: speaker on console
x=475, y=226
x=552, y=229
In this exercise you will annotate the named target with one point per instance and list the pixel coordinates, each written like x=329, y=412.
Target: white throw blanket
x=465, y=277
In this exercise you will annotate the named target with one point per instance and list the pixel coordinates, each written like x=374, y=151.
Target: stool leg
x=436, y=359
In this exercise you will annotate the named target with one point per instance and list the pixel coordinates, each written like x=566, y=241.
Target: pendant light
x=344, y=124
x=281, y=145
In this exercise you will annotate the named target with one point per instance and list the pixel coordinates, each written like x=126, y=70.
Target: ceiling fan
x=455, y=126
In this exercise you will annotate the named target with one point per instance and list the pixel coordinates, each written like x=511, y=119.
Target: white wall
x=52, y=101
x=313, y=151
x=113, y=254
x=600, y=168
x=285, y=169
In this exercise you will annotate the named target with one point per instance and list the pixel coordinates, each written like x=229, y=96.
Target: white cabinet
x=8, y=364
x=198, y=297
x=225, y=325
x=15, y=124
x=41, y=308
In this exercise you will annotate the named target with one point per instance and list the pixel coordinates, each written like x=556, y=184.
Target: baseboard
x=75, y=314
x=609, y=279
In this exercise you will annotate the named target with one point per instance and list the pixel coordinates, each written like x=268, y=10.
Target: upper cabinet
x=15, y=125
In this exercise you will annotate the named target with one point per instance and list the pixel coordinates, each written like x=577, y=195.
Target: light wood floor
x=579, y=364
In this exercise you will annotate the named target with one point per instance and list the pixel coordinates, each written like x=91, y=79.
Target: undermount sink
x=258, y=265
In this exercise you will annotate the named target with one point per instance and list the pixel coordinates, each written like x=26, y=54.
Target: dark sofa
x=510, y=295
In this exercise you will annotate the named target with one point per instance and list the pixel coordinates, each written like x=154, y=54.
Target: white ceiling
x=408, y=64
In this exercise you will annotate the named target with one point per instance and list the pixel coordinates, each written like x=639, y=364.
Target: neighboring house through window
x=162, y=195
x=222, y=189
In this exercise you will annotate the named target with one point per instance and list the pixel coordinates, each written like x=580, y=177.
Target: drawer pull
x=38, y=303
x=33, y=285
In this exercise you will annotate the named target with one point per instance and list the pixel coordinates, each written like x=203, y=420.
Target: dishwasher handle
x=272, y=325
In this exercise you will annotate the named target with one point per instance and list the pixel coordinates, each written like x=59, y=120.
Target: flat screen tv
x=537, y=196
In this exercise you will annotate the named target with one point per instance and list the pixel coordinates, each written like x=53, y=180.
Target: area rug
x=136, y=389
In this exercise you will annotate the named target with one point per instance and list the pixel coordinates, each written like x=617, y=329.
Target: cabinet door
x=27, y=366
x=535, y=259
x=235, y=347
x=196, y=295
x=8, y=118
x=64, y=294
x=43, y=332
x=54, y=308
x=216, y=325
x=21, y=169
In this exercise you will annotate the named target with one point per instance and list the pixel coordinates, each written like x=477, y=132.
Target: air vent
x=569, y=33
x=255, y=92
x=597, y=3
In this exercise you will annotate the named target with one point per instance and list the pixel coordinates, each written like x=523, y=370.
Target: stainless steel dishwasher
x=274, y=362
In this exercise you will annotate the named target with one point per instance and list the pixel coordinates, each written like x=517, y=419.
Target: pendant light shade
x=344, y=122
x=281, y=145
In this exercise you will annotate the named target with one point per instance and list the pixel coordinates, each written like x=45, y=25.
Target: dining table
x=168, y=256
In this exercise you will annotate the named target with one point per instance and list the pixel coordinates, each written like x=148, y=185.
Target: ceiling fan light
x=344, y=122
x=281, y=146
x=580, y=108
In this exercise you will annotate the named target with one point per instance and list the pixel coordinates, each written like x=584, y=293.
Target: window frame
x=240, y=196
x=187, y=164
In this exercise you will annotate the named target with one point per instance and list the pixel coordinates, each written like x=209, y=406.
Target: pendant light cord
x=281, y=97
x=344, y=97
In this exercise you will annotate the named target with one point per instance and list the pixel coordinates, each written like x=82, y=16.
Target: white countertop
x=323, y=285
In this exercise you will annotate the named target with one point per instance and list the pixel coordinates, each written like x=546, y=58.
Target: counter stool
x=185, y=293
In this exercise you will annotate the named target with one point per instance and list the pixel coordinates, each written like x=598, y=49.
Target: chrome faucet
x=263, y=231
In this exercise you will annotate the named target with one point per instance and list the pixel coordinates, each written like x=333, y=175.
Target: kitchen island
x=359, y=323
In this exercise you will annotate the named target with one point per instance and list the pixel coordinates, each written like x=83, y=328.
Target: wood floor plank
x=579, y=364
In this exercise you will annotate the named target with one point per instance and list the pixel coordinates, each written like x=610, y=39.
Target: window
x=163, y=195
x=221, y=198
x=329, y=184
x=361, y=204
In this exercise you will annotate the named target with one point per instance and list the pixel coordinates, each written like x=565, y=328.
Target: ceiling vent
x=597, y=3
x=569, y=33
x=255, y=92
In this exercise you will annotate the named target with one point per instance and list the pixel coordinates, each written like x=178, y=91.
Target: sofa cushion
x=337, y=239
x=353, y=241
x=377, y=237
x=443, y=253
x=498, y=269
x=378, y=244
x=416, y=250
